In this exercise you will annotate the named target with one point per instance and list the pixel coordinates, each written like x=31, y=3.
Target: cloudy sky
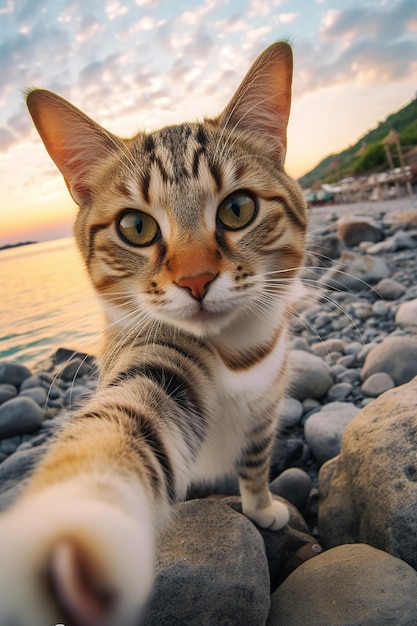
x=135, y=64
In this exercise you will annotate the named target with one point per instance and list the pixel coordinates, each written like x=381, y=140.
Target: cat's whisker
x=325, y=298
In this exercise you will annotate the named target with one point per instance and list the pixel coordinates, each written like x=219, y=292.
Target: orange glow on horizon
x=43, y=220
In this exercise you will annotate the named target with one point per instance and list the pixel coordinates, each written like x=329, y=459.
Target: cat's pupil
x=139, y=225
x=236, y=208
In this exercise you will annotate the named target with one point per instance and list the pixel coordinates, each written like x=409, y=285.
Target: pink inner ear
x=74, y=141
x=81, y=598
x=261, y=104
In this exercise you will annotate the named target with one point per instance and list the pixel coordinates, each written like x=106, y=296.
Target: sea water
x=46, y=302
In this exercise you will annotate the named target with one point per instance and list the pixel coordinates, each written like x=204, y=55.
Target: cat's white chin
x=200, y=322
x=205, y=323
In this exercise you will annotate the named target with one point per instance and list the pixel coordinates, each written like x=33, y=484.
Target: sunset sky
x=140, y=64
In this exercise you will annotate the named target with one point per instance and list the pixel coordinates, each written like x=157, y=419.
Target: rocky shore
x=345, y=458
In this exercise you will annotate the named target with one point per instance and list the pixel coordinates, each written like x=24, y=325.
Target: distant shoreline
x=17, y=245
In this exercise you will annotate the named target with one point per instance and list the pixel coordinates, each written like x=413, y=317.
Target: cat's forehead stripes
x=174, y=155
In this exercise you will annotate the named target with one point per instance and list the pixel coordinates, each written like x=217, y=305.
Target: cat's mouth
x=209, y=316
x=206, y=321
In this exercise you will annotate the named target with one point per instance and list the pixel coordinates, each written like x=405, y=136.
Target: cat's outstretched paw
x=74, y=561
x=273, y=517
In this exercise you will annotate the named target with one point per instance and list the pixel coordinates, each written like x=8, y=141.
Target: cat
x=193, y=237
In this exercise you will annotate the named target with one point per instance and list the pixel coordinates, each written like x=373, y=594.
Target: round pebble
x=7, y=392
x=323, y=348
x=13, y=373
x=389, y=289
x=38, y=394
x=309, y=375
x=396, y=356
x=76, y=395
x=20, y=415
x=377, y=384
x=294, y=485
x=339, y=391
x=290, y=412
x=323, y=430
x=76, y=368
x=407, y=315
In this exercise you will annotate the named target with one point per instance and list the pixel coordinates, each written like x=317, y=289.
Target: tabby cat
x=193, y=236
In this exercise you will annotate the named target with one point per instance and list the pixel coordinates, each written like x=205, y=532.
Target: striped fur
x=194, y=361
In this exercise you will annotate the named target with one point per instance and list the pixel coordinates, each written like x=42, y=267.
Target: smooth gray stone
x=20, y=415
x=294, y=485
x=353, y=230
x=76, y=395
x=13, y=373
x=308, y=375
x=290, y=412
x=7, y=392
x=32, y=381
x=396, y=356
x=356, y=272
x=38, y=394
x=324, y=430
x=377, y=384
x=406, y=315
x=211, y=569
x=389, y=289
x=346, y=586
x=339, y=392
x=76, y=368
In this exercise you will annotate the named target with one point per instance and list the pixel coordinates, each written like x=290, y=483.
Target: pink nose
x=197, y=285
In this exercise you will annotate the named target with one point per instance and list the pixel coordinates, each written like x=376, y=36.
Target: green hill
x=368, y=153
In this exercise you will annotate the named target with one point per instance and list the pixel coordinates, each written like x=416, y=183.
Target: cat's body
x=193, y=237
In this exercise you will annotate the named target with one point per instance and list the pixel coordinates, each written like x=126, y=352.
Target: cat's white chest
x=253, y=383
x=240, y=399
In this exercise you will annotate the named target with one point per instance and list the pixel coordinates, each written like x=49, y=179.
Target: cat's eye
x=137, y=228
x=237, y=210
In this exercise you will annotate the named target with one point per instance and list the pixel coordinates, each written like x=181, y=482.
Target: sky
x=141, y=64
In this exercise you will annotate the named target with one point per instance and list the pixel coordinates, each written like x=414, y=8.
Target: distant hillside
x=367, y=154
x=17, y=245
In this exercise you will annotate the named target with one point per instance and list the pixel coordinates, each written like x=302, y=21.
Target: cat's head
x=196, y=224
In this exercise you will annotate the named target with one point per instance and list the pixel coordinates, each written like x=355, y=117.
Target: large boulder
x=350, y=584
x=369, y=492
x=211, y=569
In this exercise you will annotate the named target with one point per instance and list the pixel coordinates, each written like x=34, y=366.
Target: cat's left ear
x=261, y=104
x=75, y=142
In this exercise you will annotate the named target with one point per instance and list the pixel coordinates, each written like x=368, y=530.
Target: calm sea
x=46, y=302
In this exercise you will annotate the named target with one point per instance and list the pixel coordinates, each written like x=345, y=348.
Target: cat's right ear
x=74, y=141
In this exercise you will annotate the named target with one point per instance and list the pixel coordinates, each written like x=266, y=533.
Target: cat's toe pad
x=273, y=517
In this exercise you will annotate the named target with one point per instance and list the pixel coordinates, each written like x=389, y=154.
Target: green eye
x=237, y=210
x=137, y=228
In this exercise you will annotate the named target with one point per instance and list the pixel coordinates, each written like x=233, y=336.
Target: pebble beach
x=353, y=358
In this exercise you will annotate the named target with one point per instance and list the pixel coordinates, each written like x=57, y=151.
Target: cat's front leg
x=257, y=501
x=262, y=509
x=74, y=558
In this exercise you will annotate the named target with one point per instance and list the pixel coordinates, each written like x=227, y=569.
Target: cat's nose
x=197, y=285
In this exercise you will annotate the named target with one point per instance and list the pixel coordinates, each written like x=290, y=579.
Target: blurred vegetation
x=368, y=153
x=372, y=158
